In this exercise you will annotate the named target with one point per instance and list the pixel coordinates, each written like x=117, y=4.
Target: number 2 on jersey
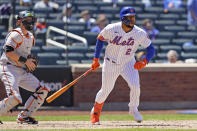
x=128, y=51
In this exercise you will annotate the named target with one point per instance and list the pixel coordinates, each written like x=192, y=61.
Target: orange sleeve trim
x=33, y=41
x=100, y=37
x=18, y=44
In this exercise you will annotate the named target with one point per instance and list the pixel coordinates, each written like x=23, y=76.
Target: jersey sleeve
x=104, y=34
x=14, y=39
x=190, y=4
x=145, y=40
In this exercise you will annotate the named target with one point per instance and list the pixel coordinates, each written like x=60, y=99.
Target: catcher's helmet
x=28, y=24
x=126, y=11
x=24, y=14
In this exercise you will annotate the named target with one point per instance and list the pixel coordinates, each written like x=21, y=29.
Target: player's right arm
x=98, y=49
x=99, y=46
x=13, y=41
x=191, y=8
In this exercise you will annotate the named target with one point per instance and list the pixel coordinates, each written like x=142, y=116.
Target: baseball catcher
x=16, y=56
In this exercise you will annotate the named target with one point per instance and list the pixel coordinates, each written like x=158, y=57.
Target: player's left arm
x=150, y=51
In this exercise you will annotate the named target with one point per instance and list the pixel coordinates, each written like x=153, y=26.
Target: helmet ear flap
x=17, y=17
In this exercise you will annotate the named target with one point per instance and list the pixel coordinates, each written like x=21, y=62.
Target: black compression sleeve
x=8, y=48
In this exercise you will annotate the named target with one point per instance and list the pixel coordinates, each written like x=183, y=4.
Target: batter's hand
x=140, y=64
x=30, y=64
x=95, y=64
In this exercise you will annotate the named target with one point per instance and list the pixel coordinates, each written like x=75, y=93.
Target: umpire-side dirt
x=176, y=124
x=172, y=124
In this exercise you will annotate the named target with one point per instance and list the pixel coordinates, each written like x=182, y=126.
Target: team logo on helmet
x=28, y=14
x=132, y=11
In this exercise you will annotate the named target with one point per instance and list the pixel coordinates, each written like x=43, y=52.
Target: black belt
x=8, y=63
x=110, y=60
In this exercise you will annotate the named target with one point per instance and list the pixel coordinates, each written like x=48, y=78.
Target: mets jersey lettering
x=122, y=45
x=116, y=40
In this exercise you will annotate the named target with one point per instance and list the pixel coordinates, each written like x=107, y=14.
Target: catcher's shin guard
x=8, y=103
x=96, y=112
x=34, y=102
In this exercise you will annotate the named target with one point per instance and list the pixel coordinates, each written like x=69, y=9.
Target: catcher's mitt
x=35, y=61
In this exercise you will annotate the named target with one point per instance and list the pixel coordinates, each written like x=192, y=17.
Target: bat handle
x=88, y=71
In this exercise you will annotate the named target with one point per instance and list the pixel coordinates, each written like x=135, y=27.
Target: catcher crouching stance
x=16, y=56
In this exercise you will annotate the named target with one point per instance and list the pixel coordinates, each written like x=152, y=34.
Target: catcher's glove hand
x=34, y=60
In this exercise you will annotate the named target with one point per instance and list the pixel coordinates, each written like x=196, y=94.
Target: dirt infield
x=177, y=124
x=172, y=124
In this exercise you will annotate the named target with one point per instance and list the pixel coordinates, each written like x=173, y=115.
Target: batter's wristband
x=96, y=59
x=22, y=59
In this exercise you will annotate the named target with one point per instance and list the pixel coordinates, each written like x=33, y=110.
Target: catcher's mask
x=27, y=23
x=126, y=11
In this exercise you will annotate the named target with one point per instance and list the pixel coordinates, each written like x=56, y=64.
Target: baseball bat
x=66, y=87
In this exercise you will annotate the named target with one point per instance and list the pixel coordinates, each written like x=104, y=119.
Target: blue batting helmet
x=126, y=11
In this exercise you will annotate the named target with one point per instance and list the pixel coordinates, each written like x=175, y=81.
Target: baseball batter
x=17, y=47
x=123, y=39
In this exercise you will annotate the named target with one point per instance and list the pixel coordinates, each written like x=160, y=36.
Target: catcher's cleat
x=1, y=122
x=137, y=116
x=28, y=120
x=95, y=113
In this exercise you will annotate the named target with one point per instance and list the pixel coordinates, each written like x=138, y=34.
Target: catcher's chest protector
x=24, y=49
x=22, y=44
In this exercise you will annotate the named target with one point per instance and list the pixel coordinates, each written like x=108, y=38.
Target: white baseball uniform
x=14, y=75
x=119, y=60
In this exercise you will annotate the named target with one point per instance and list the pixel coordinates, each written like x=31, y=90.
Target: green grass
x=108, y=117
x=127, y=129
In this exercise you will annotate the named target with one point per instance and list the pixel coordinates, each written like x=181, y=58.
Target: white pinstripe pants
x=110, y=73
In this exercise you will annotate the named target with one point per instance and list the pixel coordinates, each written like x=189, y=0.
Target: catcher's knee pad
x=8, y=103
x=35, y=101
